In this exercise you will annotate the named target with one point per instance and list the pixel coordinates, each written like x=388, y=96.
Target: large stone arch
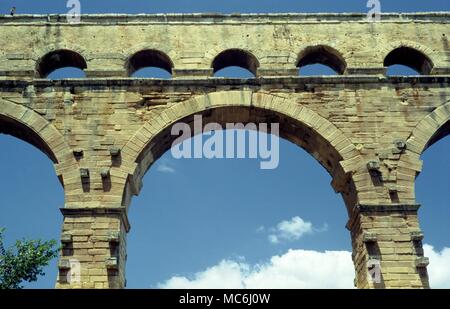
x=334, y=150
x=26, y=124
x=429, y=130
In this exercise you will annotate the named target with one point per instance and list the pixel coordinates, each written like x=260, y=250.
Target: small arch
x=409, y=57
x=58, y=59
x=149, y=58
x=235, y=58
x=322, y=54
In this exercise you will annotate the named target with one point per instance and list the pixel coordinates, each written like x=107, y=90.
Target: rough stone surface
x=105, y=131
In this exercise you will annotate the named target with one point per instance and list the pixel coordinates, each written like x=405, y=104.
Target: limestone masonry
x=104, y=132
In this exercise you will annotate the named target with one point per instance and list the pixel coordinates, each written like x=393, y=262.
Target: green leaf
x=25, y=261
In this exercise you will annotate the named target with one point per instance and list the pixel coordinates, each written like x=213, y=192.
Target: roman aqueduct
x=103, y=132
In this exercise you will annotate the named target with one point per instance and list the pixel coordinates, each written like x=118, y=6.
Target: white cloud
x=227, y=275
x=273, y=238
x=294, y=269
x=290, y=230
x=438, y=270
x=260, y=229
x=298, y=269
x=165, y=168
x=322, y=229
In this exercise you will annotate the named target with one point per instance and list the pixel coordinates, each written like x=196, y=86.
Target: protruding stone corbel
x=422, y=262
x=112, y=263
x=416, y=236
x=114, y=152
x=114, y=237
x=373, y=166
x=105, y=173
x=369, y=237
x=399, y=146
x=78, y=153
x=64, y=264
x=84, y=173
x=66, y=238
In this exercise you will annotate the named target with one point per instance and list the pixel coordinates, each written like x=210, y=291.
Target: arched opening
x=294, y=128
x=290, y=129
x=68, y=72
x=235, y=63
x=30, y=194
x=433, y=193
x=400, y=70
x=68, y=64
x=415, y=62
x=12, y=127
x=316, y=70
x=321, y=60
x=237, y=215
x=150, y=63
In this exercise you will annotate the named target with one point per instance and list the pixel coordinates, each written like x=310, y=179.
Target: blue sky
x=230, y=6
x=195, y=219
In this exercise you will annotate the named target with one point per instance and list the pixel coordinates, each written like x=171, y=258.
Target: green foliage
x=25, y=261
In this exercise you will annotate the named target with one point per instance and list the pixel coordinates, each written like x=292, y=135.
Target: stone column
x=93, y=248
x=387, y=247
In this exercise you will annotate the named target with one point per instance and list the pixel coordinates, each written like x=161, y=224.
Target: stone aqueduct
x=104, y=132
